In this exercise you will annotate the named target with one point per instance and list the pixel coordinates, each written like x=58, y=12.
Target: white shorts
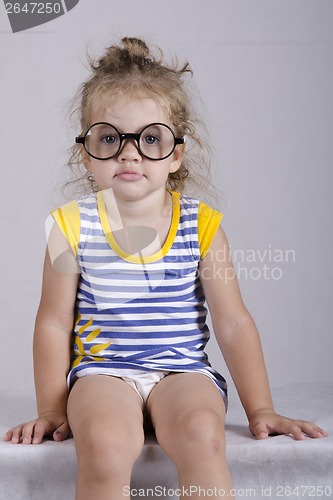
x=144, y=382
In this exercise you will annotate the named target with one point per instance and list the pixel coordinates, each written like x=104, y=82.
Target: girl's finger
x=17, y=434
x=297, y=432
x=27, y=432
x=8, y=435
x=312, y=429
x=260, y=430
x=39, y=432
x=62, y=432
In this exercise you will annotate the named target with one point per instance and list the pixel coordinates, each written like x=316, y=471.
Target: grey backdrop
x=264, y=70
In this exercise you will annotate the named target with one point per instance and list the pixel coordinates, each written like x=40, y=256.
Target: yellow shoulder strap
x=208, y=222
x=68, y=220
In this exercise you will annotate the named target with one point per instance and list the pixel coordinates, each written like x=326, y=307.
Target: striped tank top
x=136, y=312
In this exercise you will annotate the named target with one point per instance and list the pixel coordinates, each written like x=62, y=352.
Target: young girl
x=120, y=331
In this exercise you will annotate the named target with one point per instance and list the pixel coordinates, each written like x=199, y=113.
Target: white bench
x=276, y=468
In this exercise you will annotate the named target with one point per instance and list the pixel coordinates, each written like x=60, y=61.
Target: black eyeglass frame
x=82, y=140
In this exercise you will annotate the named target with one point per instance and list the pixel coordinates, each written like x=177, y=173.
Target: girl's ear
x=177, y=158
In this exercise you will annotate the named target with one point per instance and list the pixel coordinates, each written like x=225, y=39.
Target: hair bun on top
x=136, y=47
x=131, y=50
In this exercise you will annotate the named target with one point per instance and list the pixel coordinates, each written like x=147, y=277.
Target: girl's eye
x=151, y=140
x=109, y=139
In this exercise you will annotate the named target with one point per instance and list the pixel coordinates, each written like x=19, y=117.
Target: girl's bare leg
x=188, y=412
x=105, y=416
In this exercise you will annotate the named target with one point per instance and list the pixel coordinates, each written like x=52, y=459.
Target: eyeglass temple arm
x=79, y=140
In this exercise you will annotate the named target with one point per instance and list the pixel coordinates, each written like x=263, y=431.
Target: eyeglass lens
x=103, y=141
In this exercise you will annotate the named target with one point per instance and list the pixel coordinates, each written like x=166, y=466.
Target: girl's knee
x=195, y=431
x=202, y=427
x=103, y=448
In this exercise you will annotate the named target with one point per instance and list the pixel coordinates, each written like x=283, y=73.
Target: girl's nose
x=129, y=151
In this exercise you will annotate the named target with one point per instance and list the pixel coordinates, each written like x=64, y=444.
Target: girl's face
x=131, y=175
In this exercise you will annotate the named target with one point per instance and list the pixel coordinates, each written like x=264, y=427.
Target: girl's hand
x=262, y=423
x=52, y=423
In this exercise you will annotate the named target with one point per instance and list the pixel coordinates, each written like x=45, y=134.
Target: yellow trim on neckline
x=140, y=259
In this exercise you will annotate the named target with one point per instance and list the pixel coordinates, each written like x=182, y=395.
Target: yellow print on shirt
x=79, y=350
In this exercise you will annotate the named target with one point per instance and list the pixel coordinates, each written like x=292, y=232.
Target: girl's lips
x=130, y=176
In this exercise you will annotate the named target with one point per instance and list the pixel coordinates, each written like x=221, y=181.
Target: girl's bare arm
x=240, y=345
x=51, y=347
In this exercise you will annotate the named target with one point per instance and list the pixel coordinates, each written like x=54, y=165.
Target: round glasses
x=103, y=141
